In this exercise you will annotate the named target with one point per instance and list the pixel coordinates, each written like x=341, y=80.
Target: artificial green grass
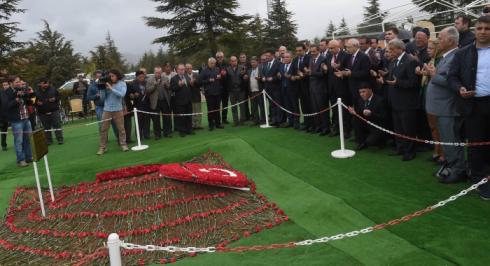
x=323, y=196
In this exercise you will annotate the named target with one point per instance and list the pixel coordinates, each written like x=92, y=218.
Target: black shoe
x=127, y=141
x=361, y=147
x=304, y=128
x=198, y=128
x=408, y=157
x=211, y=128
x=61, y=142
x=334, y=134
x=484, y=192
x=220, y=127
x=453, y=179
x=285, y=125
x=167, y=136
x=226, y=122
x=182, y=134
x=324, y=133
x=4, y=148
x=192, y=133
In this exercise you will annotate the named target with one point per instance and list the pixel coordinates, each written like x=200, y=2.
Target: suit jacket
x=286, y=83
x=338, y=86
x=275, y=84
x=360, y=71
x=153, y=88
x=299, y=65
x=440, y=100
x=183, y=95
x=405, y=94
x=196, y=88
x=234, y=79
x=318, y=82
x=210, y=88
x=376, y=105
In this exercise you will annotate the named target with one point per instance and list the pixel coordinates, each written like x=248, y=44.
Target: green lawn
x=322, y=196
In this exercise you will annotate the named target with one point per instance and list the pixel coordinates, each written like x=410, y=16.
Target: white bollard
x=138, y=135
x=342, y=153
x=39, y=191
x=266, y=108
x=48, y=173
x=114, y=246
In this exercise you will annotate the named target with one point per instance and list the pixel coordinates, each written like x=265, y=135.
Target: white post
x=114, y=246
x=266, y=109
x=48, y=173
x=342, y=153
x=39, y=191
x=138, y=135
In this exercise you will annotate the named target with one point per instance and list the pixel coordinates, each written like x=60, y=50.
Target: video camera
x=103, y=80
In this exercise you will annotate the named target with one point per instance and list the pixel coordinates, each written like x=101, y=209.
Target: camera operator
x=93, y=94
x=48, y=108
x=31, y=109
x=15, y=110
x=4, y=124
x=113, y=95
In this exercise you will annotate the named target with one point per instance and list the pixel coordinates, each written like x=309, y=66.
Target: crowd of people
x=430, y=89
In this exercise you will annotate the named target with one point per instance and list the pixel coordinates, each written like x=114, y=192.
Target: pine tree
x=343, y=28
x=195, y=25
x=330, y=30
x=56, y=55
x=256, y=35
x=444, y=18
x=373, y=17
x=281, y=29
x=107, y=56
x=8, y=30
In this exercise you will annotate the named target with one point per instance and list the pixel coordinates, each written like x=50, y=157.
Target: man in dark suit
x=318, y=90
x=210, y=78
x=372, y=108
x=181, y=86
x=358, y=68
x=289, y=91
x=338, y=86
x=225, y=97
x=302, y=83
x=404, y=86
x=234, y=79
x=463, y=24
x=272, y=85
x=469, y=76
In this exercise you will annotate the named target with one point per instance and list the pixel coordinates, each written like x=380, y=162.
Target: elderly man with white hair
x=357, y=69
x=441, y=101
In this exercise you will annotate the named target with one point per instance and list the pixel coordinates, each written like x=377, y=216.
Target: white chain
x=456, y=144
x=295, y=114
x=309, y=242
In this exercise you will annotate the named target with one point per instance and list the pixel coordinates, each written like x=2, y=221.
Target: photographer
x=15, y=110
x=113, y=95
x=47, y=99
x=4, y=124
x=93, y=94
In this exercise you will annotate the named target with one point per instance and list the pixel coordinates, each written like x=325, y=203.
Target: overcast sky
x=87, y=22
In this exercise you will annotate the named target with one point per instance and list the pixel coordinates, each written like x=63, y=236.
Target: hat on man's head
x=426, y=31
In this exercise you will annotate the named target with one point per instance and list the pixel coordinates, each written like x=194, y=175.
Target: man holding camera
x=48, y=109
x=14, y=107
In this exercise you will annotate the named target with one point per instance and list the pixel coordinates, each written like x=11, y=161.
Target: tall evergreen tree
x=281, y=29
x=8, y=30
x=256, y=35
x=343, y=28
x=193, y=25
x=373, y=17
x=330, y=29
x=56, y=55
x=107, y=56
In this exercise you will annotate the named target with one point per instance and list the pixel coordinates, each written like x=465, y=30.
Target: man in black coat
x=225, y=97
x=404, y=86
x=210, y=78
x=372, y=108
x=234, y=84
x=48, y=109
x=338, y=86
x=181, y=86
x=318, y=90
x=463, y=24
x=289, y=92
x=272, y=84
x=469, y=76
x=4, y=124
x=358, y=68
x=302, y=82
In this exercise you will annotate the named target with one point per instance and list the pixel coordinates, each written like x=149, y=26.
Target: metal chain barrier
x=298, y=114
x=309, y=242
x=203, y=113
x=398, y=135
